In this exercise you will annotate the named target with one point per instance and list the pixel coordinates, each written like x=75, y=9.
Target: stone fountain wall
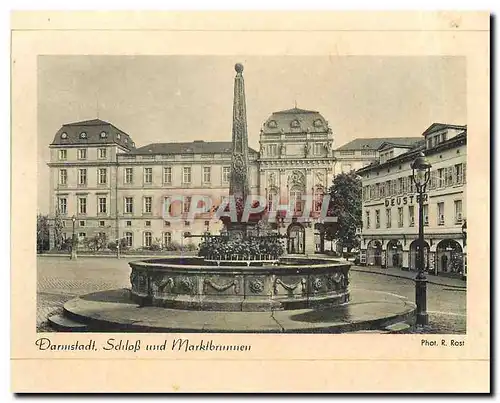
x=291, y=285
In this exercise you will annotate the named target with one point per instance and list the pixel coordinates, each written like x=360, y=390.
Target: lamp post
x=421, y=174
x=73, y=240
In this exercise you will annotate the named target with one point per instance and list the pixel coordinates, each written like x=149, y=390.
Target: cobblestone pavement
x=61, y=279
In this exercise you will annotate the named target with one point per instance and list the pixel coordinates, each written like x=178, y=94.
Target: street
x=61, y=279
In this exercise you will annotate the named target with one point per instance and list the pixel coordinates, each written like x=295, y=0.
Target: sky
x=185, y=98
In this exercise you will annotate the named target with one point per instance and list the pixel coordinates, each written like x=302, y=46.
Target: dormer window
x=126, y=141
x=83, y=135
x=64, y=135
x=318, y=123
x=272, y=124
x=295, y=123
x=103, y=135
x=118, y=136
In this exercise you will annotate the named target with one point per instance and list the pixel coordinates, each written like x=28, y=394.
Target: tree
x=345, y=204
x=42, y=233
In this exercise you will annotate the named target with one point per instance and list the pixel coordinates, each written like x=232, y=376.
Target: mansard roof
x=92, y=132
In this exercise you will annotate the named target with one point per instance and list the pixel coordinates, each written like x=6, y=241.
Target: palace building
x=110, y=186
x=390, y=205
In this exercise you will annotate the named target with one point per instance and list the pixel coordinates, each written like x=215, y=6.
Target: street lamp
x=421, y=174
x=73, y=240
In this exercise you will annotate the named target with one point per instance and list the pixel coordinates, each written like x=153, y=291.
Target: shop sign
x=403, y=200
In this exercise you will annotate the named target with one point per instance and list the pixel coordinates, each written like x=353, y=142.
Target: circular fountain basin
x=191, y=283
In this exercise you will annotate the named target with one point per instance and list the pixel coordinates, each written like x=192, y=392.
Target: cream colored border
x=363, y=362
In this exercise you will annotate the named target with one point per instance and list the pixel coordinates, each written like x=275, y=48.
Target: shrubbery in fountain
x=251, y=248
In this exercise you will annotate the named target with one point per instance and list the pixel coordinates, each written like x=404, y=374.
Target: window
x=186, y=175
x=147, y=223
x=129, y=175
x=426, y=214
x=441, y=178
x=82, y=205
x=367, y=219
x=166, y=223
x=411, y=184
x=458, y=174
x=318, y=148
x=63, y=205
x=388, y=218
x=103, y=135
x=272, y=149
x=401, y=185
x=81, y=236
x=187, y=223
x=82, y=154
x=148, y=202
x=128, y=223
x=187, y=234
x=82, y=177
x=167, y=174
x=400, y=217
x=81, y=223
x=102, y=176
x=377, y=218
x=128, y=239
x=443, y=137
x=64, y=135
x=63, y=154
x=129, y=205
x=63, y=177
x=458, y=212
x=102, y=223
x=167, y=239
x=449, y=176
x=440, y=213
x=271, y=199
x=225, y=174
x=186, y=204
x=148, y=238
x=101, y=153
x=102, y=205
x=317, y=199
x=411, y=215
x=148, y=175
x=207, y=177
x=296, y=200
x=83, y=135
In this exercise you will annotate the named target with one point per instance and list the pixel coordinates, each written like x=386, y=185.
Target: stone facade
x=113, y=187
x=390, y=205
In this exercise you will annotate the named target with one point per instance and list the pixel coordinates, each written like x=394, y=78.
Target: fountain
x=240, y=270
x=240, y=282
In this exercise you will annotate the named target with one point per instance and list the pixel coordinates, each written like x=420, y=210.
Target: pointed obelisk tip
x=238, y=67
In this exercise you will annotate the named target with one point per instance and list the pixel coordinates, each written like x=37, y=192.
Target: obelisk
x=239, y=178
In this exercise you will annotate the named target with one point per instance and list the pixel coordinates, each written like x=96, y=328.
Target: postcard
x=250, y=202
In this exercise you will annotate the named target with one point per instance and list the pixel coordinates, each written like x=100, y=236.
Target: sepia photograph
x=250, y=202
x=256, y=194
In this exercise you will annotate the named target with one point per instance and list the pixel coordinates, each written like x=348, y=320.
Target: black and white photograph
x=252, y=194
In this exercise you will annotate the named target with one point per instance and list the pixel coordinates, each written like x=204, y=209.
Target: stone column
x=406, y=259
x=283, y=182
x=310, y=244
